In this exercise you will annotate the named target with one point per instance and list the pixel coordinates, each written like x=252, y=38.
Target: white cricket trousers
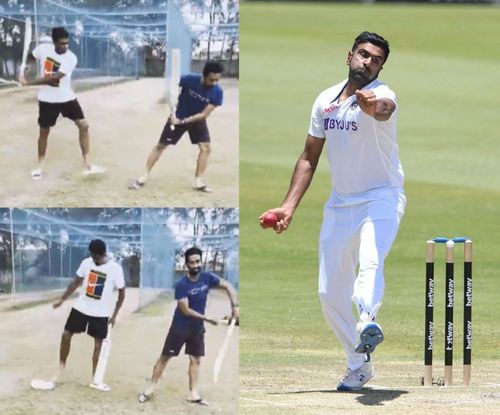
x=351, y=236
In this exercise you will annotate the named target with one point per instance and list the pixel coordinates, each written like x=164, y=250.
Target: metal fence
x=111, y=40
x=41, y=249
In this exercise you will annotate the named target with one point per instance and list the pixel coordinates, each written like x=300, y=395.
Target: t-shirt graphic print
x=97, y=293
x=95, y=284
x=50, y=67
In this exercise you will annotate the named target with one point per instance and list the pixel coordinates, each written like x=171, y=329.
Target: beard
x=194, y=271
x=360, y=76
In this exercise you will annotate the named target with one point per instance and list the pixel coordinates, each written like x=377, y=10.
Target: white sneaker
x=144, y=398
x=94, y=169
x=37, y=174
x=355, y=379
x=370, y=335
x=201, y=186
x=100, y=386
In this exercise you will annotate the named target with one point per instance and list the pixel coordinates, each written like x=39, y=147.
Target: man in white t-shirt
x=95, y=307
x=56, y=96
x=357, y=118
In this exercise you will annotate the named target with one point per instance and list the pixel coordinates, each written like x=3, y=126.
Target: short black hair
x=97, y=247
x=212, y=67
x=192, y=251
x=59, y=33
x=373, y=38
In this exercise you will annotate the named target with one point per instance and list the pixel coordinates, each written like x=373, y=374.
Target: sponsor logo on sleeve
x=330, y=109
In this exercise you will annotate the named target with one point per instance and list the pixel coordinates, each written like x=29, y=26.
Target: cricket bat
x=173, y=82
x=26, y=47
x=222, y=351
x=9, y=82
x=98, y=380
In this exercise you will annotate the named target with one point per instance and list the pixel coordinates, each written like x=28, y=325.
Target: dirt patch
x=125, y=123
x=29, y=349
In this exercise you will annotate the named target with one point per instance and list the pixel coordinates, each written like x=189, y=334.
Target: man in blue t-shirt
x=187, y=326
x=199, y=96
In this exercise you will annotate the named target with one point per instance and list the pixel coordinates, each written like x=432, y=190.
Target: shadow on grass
x=367, y=396
x=378, y=396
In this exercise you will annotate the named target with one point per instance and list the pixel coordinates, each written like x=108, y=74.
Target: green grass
x=444, y=68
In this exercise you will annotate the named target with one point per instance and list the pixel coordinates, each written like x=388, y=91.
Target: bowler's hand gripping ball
x=269, y=220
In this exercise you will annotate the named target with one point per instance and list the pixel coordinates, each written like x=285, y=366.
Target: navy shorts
x=194, y=341
x=79, y=323
x=198, y=133
x=49, y=111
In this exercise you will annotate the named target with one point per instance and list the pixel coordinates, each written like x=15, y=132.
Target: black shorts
x=195, y=343
x=78, y=322
x=49, y=111
x=198, y=133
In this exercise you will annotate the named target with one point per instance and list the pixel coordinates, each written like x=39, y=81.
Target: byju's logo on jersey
x=333, y=124
x=95, y=285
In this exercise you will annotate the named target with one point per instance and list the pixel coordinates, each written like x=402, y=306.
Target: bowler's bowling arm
x=303, y=173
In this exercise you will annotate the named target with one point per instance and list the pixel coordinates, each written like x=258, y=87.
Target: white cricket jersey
x=52, y=62
x=363, y=153
x=97, y=297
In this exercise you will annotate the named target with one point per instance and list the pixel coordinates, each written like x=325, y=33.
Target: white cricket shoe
x=355, y=379
x=370, y=335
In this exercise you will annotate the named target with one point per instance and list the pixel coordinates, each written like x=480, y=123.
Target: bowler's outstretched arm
x=301, y=179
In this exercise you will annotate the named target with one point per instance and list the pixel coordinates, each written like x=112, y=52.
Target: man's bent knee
x=82, y=125
x=205, y=148
x=44, y=133
x=163, y=359
x=195, y=360
x=160, y=147
x=66, y=335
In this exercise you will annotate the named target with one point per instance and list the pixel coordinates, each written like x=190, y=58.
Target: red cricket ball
x=269, y=220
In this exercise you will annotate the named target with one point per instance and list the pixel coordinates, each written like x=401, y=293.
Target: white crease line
x=486, y=385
